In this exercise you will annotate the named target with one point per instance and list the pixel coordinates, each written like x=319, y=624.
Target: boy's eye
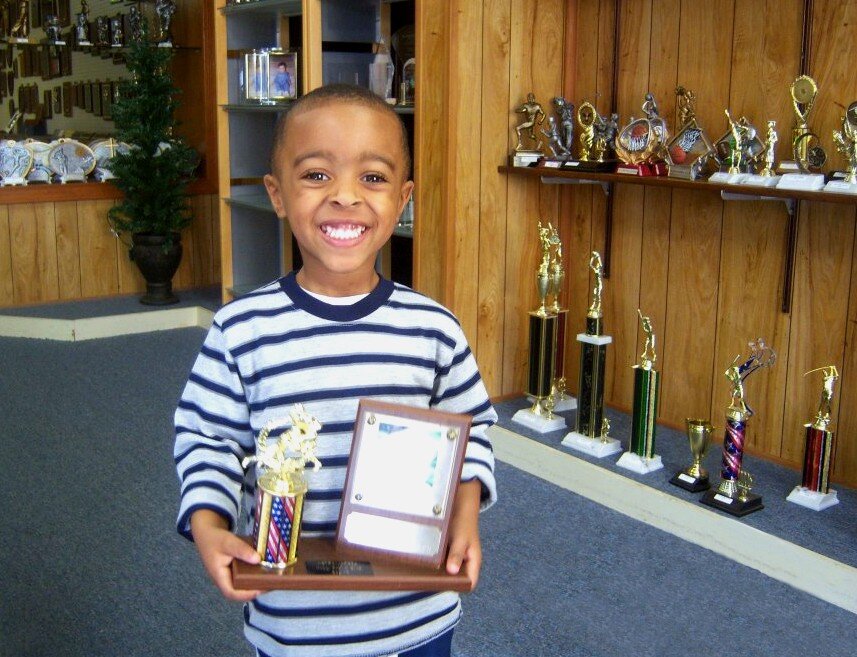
x=316, y=176
x=374, y=178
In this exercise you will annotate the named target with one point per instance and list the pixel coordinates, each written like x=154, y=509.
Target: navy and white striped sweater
x=280, y=346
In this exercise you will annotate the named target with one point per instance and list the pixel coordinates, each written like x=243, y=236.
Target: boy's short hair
x=338, y=93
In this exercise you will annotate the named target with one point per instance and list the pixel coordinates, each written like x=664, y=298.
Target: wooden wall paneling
x=688, y=351
x=7, y=291
x=98, y=262
x=622, y=293
x=462, y=236
x=311, y=33
x=221, y=91
x=493, y=216
x=753, y=253
x=68, y=250
x=818, y=326
x=845, y=420
x=34, y=252
x=432, y=76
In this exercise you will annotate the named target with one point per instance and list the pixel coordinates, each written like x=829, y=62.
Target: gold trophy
x=814, y=491
x=688, y=152
x=809, y=156
x=694, y=478
x=846, y=143
x=589, y=434
x=544, y=328
x=528, y=149
x=281, y=486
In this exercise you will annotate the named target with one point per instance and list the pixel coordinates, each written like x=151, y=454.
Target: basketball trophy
x=589, y=435
x=688, y=152
x=544, y=328
x=733, y=494
x=641, y=457
x=814, y=490
x=694, y=478
x=281, y=486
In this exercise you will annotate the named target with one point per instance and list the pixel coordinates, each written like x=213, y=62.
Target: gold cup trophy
x=694, y=478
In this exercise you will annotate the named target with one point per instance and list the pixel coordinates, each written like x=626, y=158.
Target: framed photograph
x=282, y=74
x=254, y=77
x=402, y=477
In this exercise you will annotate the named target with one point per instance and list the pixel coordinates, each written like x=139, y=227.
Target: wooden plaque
x=403, y=473
x=321, y=567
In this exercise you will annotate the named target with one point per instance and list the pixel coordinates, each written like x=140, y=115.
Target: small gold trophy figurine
x=694, y=478
x=588, y=433
x=814, y=491
x=770, y=150
x=281, y=486
x=641, y=457
x=846, y=144
x=534, y=116
x=544, y=331
x=586, y=120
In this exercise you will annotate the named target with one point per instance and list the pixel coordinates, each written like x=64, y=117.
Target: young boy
x=327, y=336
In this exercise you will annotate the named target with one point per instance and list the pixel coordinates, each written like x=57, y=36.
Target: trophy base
x=683, y=171
x=538, y=423
x=841, y=187
x=734, y=506
x=638, y=464
x=802, y=181
x=813, y=499
x=788, y=166
x=755, y=180
x=561, y=405
x=526, y=158
x=597, y=340
x=590, y=166
x=726, y=178
x=689, y=483
x=592, y=446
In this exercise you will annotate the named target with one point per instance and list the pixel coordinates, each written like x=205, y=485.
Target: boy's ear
x=407, y=190
x=273, y=187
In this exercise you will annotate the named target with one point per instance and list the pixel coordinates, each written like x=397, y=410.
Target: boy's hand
x=464, y=546
x=217, y=547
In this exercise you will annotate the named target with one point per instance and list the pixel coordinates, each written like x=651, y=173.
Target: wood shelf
x=284, y=7
x=765, y=193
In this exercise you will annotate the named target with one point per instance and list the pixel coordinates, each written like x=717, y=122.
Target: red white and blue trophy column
x=733, y=494
x=281, y=486
x=814, y=491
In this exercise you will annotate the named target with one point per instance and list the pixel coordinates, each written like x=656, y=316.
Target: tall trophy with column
x=544, y=329
x=589, y=433
x=641, y=457
x=814, y=491
x=733, y=494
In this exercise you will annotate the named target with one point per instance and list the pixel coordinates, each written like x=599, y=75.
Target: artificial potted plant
x=155, y=171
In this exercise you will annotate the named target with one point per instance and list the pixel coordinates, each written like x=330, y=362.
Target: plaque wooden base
x=691, y=483
x=320, y=567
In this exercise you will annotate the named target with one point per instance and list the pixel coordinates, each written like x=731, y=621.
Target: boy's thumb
x=241, y=549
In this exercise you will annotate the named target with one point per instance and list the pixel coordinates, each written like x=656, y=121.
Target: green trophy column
x=641, y=457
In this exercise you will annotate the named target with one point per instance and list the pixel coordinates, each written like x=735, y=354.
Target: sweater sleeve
x=459, y=389
x=213, y=435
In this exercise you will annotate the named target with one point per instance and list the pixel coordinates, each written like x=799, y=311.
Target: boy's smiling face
x=340, y=181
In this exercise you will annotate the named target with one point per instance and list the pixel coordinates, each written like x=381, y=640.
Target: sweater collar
x=366, y=306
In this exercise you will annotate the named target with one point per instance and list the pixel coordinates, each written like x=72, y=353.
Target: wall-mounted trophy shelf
x=273, y=7
x=548, y=175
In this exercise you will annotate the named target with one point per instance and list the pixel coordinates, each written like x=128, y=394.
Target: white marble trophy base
x=755, y=180
x=638, y=464
x=14, y=180
x=802, y=181
x=728, y=178
x=538, y=423
x=560, y=405
x=812, y=499
x=594, y=339
x=592, y=446
x=841, y=187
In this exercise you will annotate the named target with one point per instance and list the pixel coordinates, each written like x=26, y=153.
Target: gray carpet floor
x=91, y=565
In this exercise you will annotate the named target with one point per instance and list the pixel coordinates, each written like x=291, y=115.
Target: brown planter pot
x=158, y=261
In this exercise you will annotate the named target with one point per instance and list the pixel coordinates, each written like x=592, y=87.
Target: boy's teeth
x=344, y=233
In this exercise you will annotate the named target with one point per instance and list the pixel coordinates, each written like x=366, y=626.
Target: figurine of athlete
x=535, y=116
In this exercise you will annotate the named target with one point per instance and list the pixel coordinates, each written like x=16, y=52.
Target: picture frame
x=254, y=77
x=282, y=74
x=689, y=145
x=401, y=514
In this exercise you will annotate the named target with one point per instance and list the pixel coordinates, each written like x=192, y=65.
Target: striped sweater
x=280, y=346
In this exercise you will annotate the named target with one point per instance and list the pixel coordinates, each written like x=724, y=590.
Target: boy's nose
x=345, y=193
